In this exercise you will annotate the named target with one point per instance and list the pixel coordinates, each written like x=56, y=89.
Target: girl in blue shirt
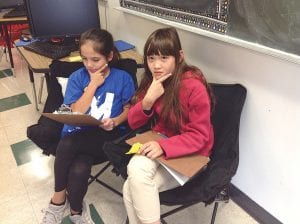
x=104, y=93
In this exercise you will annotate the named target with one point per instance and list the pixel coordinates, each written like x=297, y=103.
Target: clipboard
x=145, y=137
x=188, y=165
x=74, y=119
x=185, y=167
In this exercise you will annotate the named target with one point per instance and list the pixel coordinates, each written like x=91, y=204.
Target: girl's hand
x=107, y=124
x=99, y=76
x=151, y=149
x=155, y=90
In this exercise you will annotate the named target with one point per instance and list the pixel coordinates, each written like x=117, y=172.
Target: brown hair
x=103, y=42
x=166, y=41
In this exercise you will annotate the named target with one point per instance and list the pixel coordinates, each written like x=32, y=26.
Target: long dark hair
x=103, y=42
x=166, y=41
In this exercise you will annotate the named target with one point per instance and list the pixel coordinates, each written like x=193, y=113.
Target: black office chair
x=212, y=184
x=46, y=133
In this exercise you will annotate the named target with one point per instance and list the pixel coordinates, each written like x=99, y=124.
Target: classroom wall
x=269, y=131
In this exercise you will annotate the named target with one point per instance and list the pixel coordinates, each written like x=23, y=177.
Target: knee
x=81, y=167
x=80, y=170
x=140, y=167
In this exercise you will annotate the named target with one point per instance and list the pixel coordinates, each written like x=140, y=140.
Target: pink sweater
x=196, y=133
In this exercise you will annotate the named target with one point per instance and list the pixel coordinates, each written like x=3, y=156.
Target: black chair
x=46, y=133
x=212, y=184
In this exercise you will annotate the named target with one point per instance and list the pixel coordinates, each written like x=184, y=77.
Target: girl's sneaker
x=84, y=218
x=54, y=214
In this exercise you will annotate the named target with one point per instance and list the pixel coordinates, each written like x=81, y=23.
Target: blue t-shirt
x=109, y=99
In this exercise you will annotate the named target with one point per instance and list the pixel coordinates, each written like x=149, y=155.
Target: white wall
x=270, y=123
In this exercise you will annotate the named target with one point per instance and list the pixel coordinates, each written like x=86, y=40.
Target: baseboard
x=251, y=207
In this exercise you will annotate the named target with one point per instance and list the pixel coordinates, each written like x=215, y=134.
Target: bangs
x=161, y=46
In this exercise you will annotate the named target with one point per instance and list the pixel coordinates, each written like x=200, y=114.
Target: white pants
x=146, y=178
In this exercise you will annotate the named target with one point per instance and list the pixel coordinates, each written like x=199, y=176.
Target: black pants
x=75, y=155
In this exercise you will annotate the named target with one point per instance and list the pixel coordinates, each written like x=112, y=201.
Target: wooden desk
x=4, y=22
x=36, y=63
x=134, y=55
x=40, y=64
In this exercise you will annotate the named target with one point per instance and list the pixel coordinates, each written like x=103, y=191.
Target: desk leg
x=33, y=88
x=47, y=77
x=7, y=40
x=41, y=89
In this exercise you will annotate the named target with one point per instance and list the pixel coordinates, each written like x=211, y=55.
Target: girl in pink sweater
x=178, y=99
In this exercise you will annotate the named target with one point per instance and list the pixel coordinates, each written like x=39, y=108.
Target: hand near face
x=151, y=149
x=155, y=90
x=98, y=77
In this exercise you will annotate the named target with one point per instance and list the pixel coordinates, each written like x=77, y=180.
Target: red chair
x=14, y=32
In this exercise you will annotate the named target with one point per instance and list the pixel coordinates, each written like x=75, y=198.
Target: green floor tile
x=14, y=102
x=25, y=152
x=5, y=73
x=95, y=216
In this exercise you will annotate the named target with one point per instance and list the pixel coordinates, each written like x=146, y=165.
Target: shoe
x=84, y=218
x=54, y=214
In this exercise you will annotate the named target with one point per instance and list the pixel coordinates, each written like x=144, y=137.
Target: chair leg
x=109, y=187
x=181, y=207
x=222, y=196
x=1, y=53
x=5, y=53
x=213, y=217
x=95, y=178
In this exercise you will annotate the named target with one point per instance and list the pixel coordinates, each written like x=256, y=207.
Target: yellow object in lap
x=134, y=148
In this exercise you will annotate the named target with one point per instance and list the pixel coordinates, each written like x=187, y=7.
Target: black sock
x=60, y=204
x=80, y=213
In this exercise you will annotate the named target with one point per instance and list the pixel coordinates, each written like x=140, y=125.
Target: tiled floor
x=27, y=176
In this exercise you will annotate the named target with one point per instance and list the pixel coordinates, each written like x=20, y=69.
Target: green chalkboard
x=272, y=23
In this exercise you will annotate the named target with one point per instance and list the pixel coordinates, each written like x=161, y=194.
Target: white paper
x=181, y=179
